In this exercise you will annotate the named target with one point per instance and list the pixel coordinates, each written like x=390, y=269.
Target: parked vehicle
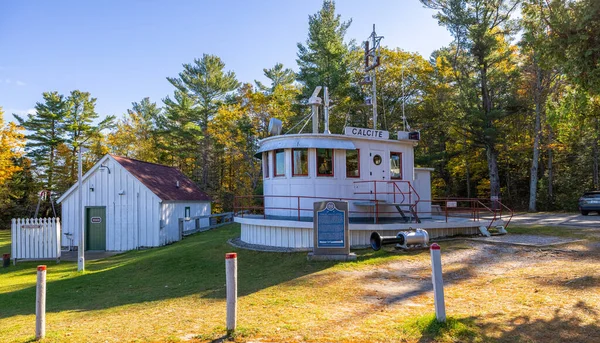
x=589, y=202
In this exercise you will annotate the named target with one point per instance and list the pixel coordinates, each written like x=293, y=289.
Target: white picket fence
x=35, y=239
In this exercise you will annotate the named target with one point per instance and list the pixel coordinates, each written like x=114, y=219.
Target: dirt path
x=513, y=293
x=558, y=219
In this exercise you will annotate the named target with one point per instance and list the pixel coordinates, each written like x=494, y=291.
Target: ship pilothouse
x=373, y=172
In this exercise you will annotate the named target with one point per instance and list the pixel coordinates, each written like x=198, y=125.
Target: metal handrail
x=475, y=207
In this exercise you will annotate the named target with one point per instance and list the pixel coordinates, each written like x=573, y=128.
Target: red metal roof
x=162, y=180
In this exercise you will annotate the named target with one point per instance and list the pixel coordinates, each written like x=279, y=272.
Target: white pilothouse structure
x=372, y=171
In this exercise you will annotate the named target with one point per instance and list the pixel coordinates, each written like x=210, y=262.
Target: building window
x=299, y=162
x=266, y=164
x=325, y=162
x=187, y=212
x=353, y=163
x=279, y=163
x=396, y=165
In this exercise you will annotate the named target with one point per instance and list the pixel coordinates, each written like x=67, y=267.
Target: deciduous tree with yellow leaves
x=12, y=141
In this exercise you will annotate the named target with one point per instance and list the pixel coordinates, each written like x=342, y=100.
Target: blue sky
x=122, y=51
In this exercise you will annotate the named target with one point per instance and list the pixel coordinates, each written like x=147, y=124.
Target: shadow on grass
x=487, y=255
x=195, y=266
x=568, y=327
x=560, y=328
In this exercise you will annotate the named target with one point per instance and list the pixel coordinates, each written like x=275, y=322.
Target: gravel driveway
x=558, y=219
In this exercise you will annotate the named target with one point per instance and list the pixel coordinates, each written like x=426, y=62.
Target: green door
x=95, y=228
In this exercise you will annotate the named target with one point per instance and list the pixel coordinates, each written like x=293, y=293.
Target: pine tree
x=208, y=84
x=481, y=30
x=136, y=134
x=46, y=129
x=79, y=127
x=538, y=74
x=324, y=60
x=278, y=76
x=180, y=133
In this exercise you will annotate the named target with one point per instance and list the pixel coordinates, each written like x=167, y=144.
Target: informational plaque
x=331, y=227
x=331, y=237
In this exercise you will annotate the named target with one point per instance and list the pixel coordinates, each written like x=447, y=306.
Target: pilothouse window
x=352, y=163
x=299, y=162
x=279, y=157
x=396, y=165
x=325, y=162
x=266, y=164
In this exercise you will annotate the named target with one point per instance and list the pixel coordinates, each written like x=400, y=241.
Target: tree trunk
x=468, y=175
x=50, y=172
x=490, y=149
x=550, y=170
x=492, y=159
x=595, y=154
x=73, y=172
x=537, y=131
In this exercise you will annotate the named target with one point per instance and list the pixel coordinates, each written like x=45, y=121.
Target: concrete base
x=340, y=257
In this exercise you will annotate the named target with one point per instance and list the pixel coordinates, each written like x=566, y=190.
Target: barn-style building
x=130, y=204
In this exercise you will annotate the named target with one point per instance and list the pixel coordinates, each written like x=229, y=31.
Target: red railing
x=448, y=208
x=395, y=194
x=472, y=207
x=396, y=190
x=240, y=209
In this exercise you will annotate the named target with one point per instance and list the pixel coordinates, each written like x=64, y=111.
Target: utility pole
x=80, y=220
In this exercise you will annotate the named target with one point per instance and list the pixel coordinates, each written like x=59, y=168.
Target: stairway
x=411, y=209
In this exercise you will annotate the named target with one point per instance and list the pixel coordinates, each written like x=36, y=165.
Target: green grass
x=4, y=242
x=453, y=330
x=191, y=269
x=177, y=293
x=193, y=266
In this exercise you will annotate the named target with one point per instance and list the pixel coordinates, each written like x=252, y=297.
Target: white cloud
x=20, y=83
x=7, y=80
x=20, y=112
x=8, y=113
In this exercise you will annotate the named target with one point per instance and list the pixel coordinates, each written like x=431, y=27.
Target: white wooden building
x=130, y=204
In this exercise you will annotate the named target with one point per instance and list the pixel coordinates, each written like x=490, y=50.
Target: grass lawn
x=4, y=242
x=558, y=231
x=177, y=293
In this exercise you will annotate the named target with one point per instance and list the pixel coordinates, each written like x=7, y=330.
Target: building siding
x=132, y=219
x=171, y=211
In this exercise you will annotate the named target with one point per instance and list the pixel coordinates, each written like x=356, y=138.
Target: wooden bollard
x=40, y=303
x=438, y=282
x=231, y=281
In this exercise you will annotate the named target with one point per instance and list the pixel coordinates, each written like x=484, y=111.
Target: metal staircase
x=401, y=200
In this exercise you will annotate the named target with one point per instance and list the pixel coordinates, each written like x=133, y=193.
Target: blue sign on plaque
x=330, y=227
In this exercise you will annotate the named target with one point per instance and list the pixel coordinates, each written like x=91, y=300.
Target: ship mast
x=372, y=61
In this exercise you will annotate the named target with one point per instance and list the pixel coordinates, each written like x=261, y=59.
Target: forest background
x=510, y=108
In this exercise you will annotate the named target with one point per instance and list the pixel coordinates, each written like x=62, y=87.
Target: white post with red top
x=438, y=282
x=231, y=281
x=40, y=303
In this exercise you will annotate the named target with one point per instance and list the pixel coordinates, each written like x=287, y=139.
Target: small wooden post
x=438, y=283
x=40, y=303
x=231, y=281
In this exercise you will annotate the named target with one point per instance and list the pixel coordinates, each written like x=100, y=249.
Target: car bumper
x=589, y=207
